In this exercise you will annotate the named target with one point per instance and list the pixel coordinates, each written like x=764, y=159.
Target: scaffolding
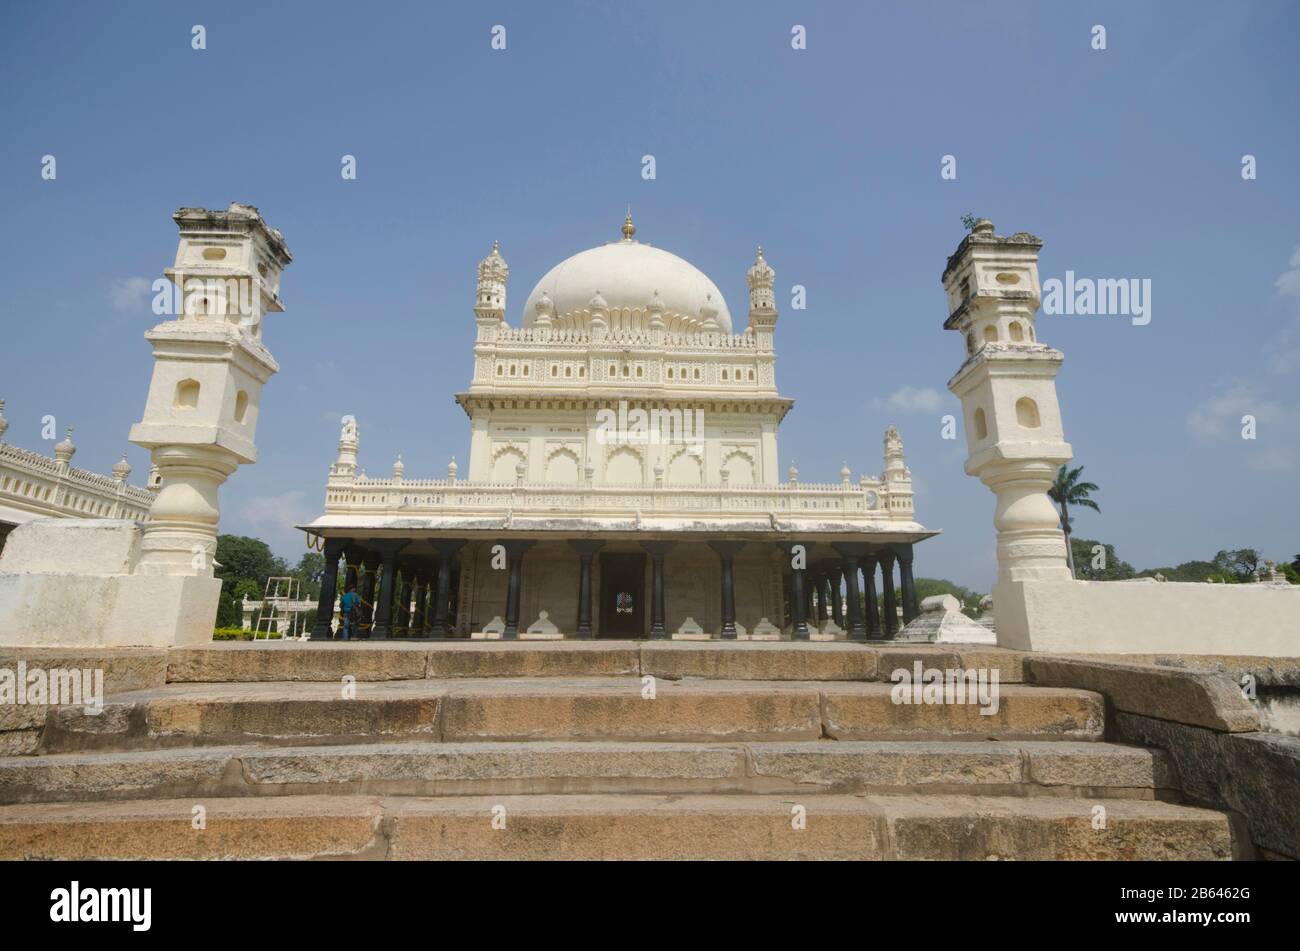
x=280, y=609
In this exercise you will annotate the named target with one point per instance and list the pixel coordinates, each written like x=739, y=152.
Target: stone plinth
x=71, y=583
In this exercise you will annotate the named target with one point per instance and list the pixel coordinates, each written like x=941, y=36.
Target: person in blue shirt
x=347, y=607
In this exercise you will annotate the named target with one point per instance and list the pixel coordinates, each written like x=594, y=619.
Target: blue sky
x=1125, y=161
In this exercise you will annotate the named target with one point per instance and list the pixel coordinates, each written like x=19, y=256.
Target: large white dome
x=626, y=274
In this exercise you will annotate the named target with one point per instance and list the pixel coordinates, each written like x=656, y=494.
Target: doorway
x=622, y=594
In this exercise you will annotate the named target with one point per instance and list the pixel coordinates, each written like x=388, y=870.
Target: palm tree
x=1067, y=490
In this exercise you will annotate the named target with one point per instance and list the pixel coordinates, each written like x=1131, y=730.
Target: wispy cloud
x=1212, y=418
x=912, y=399
x=129, y=295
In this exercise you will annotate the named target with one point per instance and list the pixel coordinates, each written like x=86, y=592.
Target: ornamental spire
x=629, y=229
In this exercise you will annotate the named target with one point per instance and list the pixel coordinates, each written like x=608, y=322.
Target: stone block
x=1193, y=697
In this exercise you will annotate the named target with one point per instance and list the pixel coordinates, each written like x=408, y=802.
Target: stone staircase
x=567, y=750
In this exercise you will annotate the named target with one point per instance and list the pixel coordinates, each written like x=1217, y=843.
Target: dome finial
x=629, y=229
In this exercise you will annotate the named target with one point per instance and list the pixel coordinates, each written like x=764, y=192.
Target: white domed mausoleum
x=623, y=480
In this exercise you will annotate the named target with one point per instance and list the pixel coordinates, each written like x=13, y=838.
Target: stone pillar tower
x=200, y=417
x=1007, y=387
x=761, y=280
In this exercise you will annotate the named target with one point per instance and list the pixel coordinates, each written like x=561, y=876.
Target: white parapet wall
x=1148, y=617
x=74, y=583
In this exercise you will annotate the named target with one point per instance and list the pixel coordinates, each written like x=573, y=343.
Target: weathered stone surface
x=867, y=711
x=19, y=742
x=215, y=714
x=970, y=828
x=1196, y=751
x=1008, y=663
x=1098, y=765
x=634, y=827
x=502, y=768
x=298, y=827
x=595, y=709
x=538, y=659
x=616, y=827
x=759, y=660
x=1193, y=697
x=1264, y=772
x=424, y=768
x=225, y=662
x=148, y=774
x=125, y=668
x=855, y=766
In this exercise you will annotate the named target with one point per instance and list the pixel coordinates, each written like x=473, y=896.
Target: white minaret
x=761, y=280
x=490, y=294
x=1007, y=387
x=200, y=417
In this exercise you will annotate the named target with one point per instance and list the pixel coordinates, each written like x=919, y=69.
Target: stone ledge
x=1194, y=697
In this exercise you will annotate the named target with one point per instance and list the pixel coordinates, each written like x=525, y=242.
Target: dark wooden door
x=622, y=594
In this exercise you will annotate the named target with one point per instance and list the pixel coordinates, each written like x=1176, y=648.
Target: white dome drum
x=622, y=278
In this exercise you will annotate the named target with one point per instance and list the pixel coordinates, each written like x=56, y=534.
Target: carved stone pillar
x=323, y=629
x=798, y=562
x=446, y=549
x=366, y=609
x=658, y=551
x=402, y=623
x=851, y=554
x=910, y=607
x=586, y=549
x=727, y=551
x=388, y=548
x=837, y=603
x=515, y=549
x=891, y=605
x=869, y=562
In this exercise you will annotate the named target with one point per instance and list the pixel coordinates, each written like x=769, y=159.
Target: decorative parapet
x=870, y=499
x=37, y=484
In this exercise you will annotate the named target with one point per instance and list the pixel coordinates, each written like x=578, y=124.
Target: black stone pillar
x=658, y=551
x=421, y=593
x=910, y=608
x=851, y=553
x=515, y=549
x=383, y=616
x=869, y=592
x=586, y=549
x=891, y=605
x=823, y=597
x=441, y=598
x=402, y=627
x=798, y=562
x=837, y=603
x=727, y=551
x=323, y=629
x=366, y=607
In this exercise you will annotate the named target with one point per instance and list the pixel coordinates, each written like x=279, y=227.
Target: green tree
x=1067, y=490
x=1112, y=568
x=309, y=571
x=1238, y=564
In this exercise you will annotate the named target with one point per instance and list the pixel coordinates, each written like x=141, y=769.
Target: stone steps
x=234, y=662
x=422, y=768
x=618, y=827
x=601, y=708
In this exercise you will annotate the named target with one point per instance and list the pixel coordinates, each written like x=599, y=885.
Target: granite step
x=602, y=708
x=420, y=768
x=619, y=827
x=235, y=662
